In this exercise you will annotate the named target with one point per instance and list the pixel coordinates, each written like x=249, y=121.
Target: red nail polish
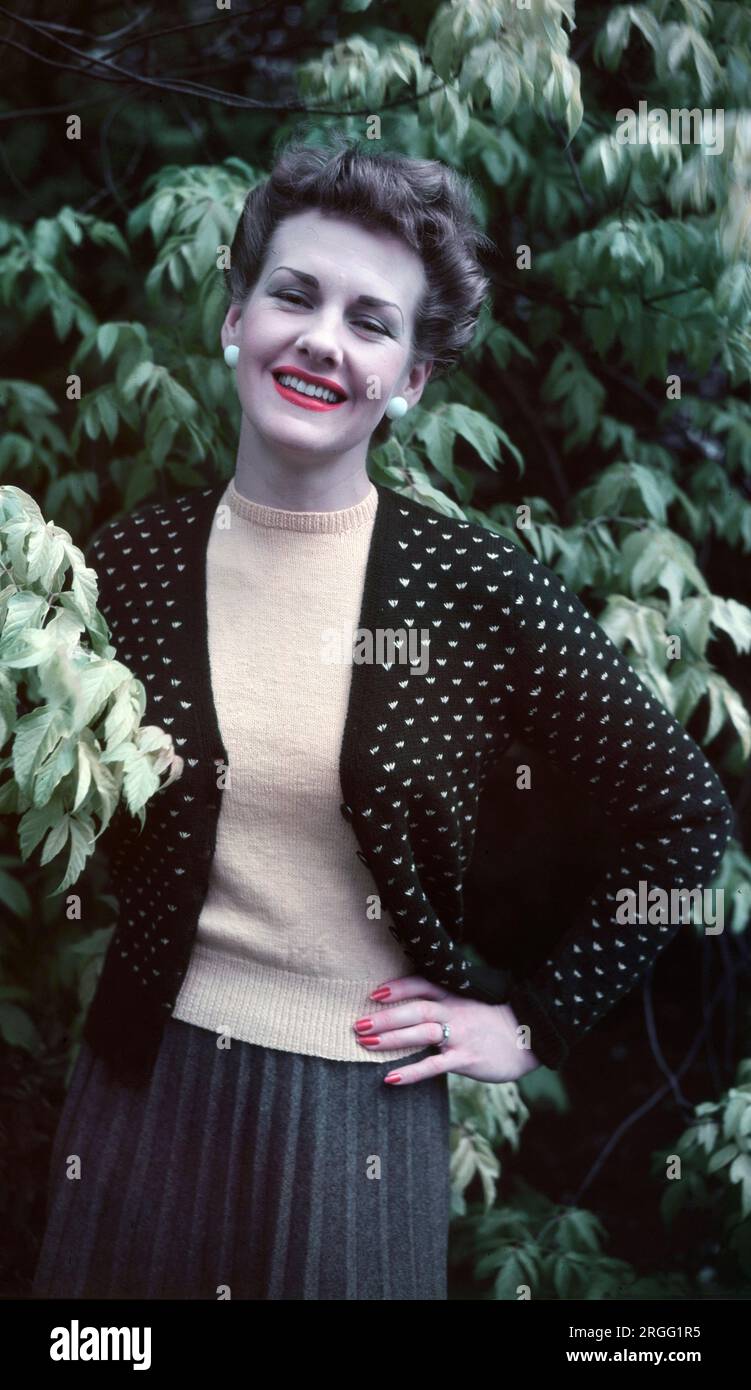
x=392, y=1079
x=364, y=1024
x=382, y=993
x=368, y=1042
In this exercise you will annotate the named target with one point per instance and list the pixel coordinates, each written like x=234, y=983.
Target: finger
x=435, y=1065
x=420, y=1034
x=390, y=1018
x=409, y=987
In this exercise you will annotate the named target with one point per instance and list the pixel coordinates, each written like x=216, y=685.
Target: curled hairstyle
x=423, y=201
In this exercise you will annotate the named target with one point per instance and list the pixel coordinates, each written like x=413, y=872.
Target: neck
x=304, y=484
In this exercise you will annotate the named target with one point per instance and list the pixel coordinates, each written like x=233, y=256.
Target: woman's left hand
x=484, y=1041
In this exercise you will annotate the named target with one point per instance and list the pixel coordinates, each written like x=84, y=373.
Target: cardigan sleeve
x=572, y=694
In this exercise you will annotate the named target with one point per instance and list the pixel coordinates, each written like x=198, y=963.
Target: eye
x=374, y=327
x=285, y=294
x=297, y=297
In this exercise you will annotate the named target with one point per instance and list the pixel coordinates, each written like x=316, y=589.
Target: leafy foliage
x=80, y=745
x=609, y=378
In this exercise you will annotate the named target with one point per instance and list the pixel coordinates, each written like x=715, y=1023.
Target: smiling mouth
x=301, y=398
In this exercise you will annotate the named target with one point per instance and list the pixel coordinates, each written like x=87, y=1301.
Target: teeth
x=306, y=388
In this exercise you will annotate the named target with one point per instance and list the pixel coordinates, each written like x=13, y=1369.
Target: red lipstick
x=298, y=397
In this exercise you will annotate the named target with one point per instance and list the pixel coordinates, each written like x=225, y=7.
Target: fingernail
x=368, y=1042
x=364, y=1024
x=382, y=993
x=393, y=1077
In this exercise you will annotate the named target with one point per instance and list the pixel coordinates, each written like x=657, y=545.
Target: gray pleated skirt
x=248, y=1172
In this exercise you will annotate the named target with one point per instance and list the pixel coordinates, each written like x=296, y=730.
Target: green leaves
x=628, y=489
x=733, y=618
x=658, y=558
x=81, y=748
x=528, y=1246
x=426, y=439
x=638, y=626
x=677, y=47
x=523, y=60
x=578, y=393
x=36, y=734
x=438, y=429
x=725, y=704
x=482, y=1115
x=612, y=39
x=715, y=1154
x=17, y=1029
x=193, y=208
x=532, y=1248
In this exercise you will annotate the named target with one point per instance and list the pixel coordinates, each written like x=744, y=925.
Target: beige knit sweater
x=289, y=942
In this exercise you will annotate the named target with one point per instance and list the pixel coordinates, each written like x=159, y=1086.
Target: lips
x=298, y=398
x=287, y=370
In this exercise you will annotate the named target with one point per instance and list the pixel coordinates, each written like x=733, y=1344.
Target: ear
x=416, y=382
x=230, y=330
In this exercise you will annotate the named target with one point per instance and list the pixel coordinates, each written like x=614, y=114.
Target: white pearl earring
x=397, y=407
x=231, y=354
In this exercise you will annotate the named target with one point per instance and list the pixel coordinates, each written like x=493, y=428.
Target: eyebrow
x=368, y=299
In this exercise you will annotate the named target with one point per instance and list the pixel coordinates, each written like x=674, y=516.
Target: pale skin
x=484, y=1041
x=300, y=459
x=304, y=460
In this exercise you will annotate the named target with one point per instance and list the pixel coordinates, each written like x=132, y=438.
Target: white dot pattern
x=576, y=696
x=513, y=653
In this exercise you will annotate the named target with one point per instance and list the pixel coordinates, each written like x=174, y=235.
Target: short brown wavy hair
x=423, y=201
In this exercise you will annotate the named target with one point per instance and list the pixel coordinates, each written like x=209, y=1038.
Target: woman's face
x=308, y=312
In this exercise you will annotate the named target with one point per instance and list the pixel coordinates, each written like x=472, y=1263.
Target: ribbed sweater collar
x=345, y=519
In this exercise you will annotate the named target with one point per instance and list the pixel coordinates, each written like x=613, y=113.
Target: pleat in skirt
x=248, y=1172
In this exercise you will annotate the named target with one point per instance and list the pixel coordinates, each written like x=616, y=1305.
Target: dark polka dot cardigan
x=512, y=653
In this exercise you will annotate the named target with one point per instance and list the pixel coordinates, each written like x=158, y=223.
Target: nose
x=320, y=340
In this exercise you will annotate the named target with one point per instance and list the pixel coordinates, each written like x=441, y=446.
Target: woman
x=260, y=1105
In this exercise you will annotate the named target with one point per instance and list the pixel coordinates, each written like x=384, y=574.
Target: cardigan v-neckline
x=210, y=730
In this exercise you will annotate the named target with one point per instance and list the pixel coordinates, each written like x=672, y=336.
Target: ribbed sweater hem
x=276, y=1008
